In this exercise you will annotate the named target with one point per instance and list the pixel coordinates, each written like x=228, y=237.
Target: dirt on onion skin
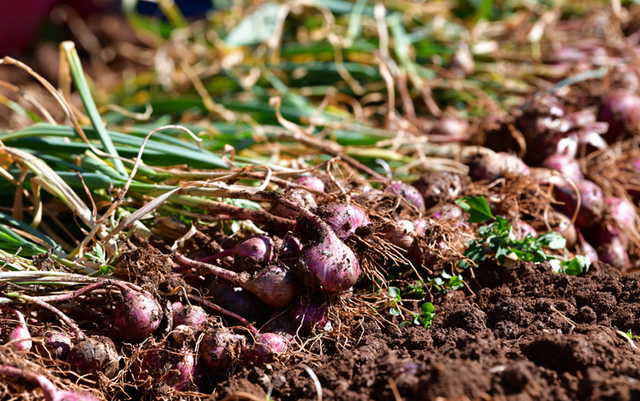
x=527, y=333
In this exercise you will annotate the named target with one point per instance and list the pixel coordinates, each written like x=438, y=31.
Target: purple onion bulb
x=567, y=166
x=189, y=315
x=220, y=348
x=20, y=337
x=95, y=354
x=308, y=314
x=591, y=201
x=331, y=265
x=259, y=247
x=409, y=192
x=621, y=211
x=311, y=182
x=399, y=233
x=265, y=348
x=344, y=219
x=137, y=317
x=56, y=345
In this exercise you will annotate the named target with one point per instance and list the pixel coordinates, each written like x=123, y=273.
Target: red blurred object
x=20, y=20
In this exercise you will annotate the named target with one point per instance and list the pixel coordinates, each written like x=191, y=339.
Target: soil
x=524, y=333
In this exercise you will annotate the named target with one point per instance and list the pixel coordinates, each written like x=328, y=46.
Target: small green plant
x=498, y=241
x=631, y=336
x=424, y=318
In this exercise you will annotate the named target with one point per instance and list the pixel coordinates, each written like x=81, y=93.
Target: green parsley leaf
x=477, y=208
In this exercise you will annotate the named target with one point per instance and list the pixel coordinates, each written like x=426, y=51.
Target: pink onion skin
x=565, y=165
x=292, y=245
x=276, y=286
x=591, y=202
x=220, y=348
x=280, y=325
x=311, y=182
x=409, y=192
x=344, y=219
x=447, y=212
x=330, y=265
x=399, y=233
x=621, y=211
x=587, y=249
x=521, y=229
x=491, y=166
x=621, y=109
x=265, y=348
x=307, y=314
x=56, y=345
x=614, y=254
x=137, y=317
x=172, y=367
x=259, y=247
x=20, y=337
x=192, y=316
x=420, y=226
x=95, y=354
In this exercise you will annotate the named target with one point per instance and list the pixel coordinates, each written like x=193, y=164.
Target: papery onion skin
x=276, y=286
x=265, y=348
x=621, y=109
x=307, y=314
x=259, y=247
x=56, y=345
x=20, y=337
x=614, y=254
x=137, y=317
x=95, y=354
x=311, y=182
x=220, y=348
x=331, y=266
x=299, y=196
x=173, y=367
x=521, y=229
x=344, y=219
x=591, y=201
x=491, y=166
x=190, y=315
x=565, y=165
x=621, y=211
x=409, y=192
x=400, y=233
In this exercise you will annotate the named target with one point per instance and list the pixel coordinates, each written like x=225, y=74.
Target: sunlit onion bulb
x=491, y=166
x=265, y=348
x=591, y=201
x=344, y=219
x=621, y=211
x=621, y=109
x=220, y=348
x=409, y=192
x=565, y=165
x=20, y=337
x=190, y=315
x=399, y=233
x=136, y=317
x=311, y=182
x=95, y=354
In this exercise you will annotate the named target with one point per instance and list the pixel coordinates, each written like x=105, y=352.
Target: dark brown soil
x=526, y=334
